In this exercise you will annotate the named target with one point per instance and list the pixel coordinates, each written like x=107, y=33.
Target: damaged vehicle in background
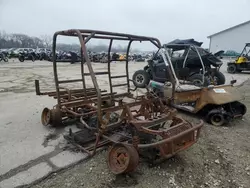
x=3, y=56
x=191, y=63
x=218, y=105
x=27, y=54
x=242, y=62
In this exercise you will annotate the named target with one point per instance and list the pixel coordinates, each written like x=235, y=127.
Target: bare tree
x=47, y=40
x=38, y=42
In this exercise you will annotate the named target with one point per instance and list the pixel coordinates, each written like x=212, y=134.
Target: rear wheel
x=215, y=117
x=231, y=68
x=141, y=78
x=220, y=78
x=197, y=80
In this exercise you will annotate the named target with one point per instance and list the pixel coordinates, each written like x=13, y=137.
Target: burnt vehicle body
x=219, y=105
x=191, y=63
x=129, y=124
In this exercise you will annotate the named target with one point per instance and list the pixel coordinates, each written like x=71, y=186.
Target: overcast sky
x=164, y=19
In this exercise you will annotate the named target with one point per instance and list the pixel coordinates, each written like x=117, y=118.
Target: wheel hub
x=139, y=78
x=46, y=116
x=122, y=159
x=217, y=119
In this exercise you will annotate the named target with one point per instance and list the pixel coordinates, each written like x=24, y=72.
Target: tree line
x=18, y=40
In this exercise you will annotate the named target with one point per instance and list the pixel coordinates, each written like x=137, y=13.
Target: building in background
x=231, y=39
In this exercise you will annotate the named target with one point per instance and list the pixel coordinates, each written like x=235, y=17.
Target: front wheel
x=141, y=78
x=122, y=159
x=197, y=80
x=231, y=68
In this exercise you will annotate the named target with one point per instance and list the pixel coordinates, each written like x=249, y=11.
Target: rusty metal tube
x=86, y=125
x=142, y=146
x=55, y=69
x=109, y=70
x=92, y=74
x=106, y=35
x=127, y=72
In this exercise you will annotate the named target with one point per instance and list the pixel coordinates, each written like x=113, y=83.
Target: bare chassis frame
x=146, y=120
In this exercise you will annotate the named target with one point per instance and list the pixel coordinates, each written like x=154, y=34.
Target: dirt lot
x=221, y=158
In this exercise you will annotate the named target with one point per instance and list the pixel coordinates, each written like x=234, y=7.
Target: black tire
x=220, y=78
x=21, y=59
x=215, y=117
x=196, y=80
x=141, y=79
x=5, y=59
x=231, y=68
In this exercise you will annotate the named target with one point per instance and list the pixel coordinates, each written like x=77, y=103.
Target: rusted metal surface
x=144, y=123
x=122, y=158
x=45, y=118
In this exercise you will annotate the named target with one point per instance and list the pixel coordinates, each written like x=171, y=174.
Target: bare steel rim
x=122, y=159
x=217, y=119
x=139, y=79
x=46, y=116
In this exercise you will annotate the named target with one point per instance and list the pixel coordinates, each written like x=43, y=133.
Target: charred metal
x=132, y=126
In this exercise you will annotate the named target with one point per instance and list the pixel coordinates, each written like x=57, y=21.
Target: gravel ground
x=221, y=158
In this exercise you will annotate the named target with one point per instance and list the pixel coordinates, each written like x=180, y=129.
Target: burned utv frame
x=140, y=124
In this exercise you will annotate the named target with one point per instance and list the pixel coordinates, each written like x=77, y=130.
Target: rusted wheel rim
x=46, y=117
x=55, y=117
x=122, y=159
